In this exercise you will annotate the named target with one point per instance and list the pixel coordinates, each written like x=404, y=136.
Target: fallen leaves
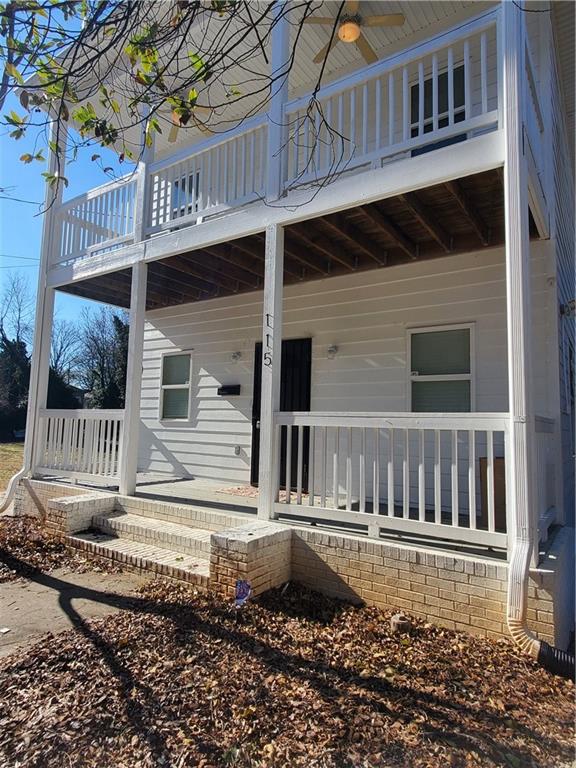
x=26, y=546
x=295, y=679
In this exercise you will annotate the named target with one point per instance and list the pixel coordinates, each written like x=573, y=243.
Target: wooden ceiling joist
x=387, y=226
x=310, y=260
x=338, y=225
x=466, y=207
x=234, y=264
x=427, y=220
x=188, y=266
x=324, y=247
x=178, y=281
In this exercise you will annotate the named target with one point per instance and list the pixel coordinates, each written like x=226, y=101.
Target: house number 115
x=268, y=351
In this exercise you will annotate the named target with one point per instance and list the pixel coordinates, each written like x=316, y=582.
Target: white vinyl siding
x=365, y=315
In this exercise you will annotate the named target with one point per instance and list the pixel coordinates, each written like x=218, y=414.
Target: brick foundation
x=32, y=496
x=257, y=552
x=457, y=592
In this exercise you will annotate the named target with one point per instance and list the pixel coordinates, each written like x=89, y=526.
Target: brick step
x=145, y=557
x=209, y=515
x=177, y=537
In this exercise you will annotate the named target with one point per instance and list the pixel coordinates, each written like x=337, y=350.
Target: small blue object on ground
x=243, y=592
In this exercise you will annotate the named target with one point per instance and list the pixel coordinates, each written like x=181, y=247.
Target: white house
x=376, y=330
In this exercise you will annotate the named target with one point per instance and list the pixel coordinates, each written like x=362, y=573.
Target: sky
x=20, y=224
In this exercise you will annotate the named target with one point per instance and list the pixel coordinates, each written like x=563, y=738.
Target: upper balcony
x=442, y=91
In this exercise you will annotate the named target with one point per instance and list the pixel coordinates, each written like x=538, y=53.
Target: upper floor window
x=175, y=386
x=441, y=369
x=443, y=116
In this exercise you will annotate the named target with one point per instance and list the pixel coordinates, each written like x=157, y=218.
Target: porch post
x=44, y=316
x=279, y=70
x=141, y=205
x=271, y=364
x=129, y=445
x=521, y=511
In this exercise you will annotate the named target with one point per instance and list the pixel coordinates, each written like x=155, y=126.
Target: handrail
x=476, y=25
x=248, y=125
x=97, y=191
x=442, y=421
x=82, y=413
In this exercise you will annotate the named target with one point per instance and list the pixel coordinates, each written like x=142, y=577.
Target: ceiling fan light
x=349, y=31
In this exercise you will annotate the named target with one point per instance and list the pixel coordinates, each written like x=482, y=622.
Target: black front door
x=295, y=378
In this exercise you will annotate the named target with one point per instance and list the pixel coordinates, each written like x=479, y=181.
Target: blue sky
x=20, y=226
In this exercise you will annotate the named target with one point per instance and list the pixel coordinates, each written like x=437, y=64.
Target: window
x=175, y=386
x=459, y=109
x=185, y=193
x=441, y=376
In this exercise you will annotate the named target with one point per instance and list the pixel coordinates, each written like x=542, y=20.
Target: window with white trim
x=175, y=386
x=441, y=369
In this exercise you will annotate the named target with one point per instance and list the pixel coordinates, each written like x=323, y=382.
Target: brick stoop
x=137, y=556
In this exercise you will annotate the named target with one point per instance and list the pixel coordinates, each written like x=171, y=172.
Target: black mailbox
x=229, y=389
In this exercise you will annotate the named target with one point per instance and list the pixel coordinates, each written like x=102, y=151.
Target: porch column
x=271, y=364
x=131, y=427
x=520, y=496
x=44, y=316
x=141, y=204
x=279, y=71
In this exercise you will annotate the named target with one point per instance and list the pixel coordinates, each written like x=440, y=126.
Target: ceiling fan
x=350, y=29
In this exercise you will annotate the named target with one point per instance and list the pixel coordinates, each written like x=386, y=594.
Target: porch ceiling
x=446, y=219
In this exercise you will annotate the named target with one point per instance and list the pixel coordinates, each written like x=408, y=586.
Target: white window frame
x=471, y=377
x=163, y=387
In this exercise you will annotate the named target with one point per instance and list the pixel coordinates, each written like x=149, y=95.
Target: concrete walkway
x=57, y=601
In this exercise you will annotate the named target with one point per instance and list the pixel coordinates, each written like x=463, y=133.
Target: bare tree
x=65, y=350
x=17, y=308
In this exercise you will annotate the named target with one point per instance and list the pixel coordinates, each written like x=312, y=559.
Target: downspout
x=12, y=483
x=522, y=530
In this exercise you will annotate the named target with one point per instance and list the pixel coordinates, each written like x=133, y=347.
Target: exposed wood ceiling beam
x=99, y=293
x=177, y=280
x=299, y=254
x=390, y=229
x=338, y=224
x=323, y=246
x=187, y=266
x=460, y=196
x=234, y=264
x=155, y=285
x=427, y=220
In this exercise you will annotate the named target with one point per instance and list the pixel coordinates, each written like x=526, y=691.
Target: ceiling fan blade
x=319, y=20
x=366, y=50
x=385, y=20
x=321, y=55
x=352, y=6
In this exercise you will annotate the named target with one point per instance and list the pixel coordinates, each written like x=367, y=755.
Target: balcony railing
x=439, y=476
x=83, y=444
x=96, y=222
x=445, y=88
x=442, y=91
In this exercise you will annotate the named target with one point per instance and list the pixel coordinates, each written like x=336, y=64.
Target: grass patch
x=10, y=462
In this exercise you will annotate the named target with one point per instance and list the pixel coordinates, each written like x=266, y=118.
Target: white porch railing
x=216, y=175
x=443, y=88
x=84, y=444
x=545, y=466
x=432, y=475
x=99, y=221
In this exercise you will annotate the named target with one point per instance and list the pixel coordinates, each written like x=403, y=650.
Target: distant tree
x=64, y=349
x=103, y=355
x=16, y=316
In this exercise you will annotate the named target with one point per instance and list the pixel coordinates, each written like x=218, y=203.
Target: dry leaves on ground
x=294, y=680
x=26, y=546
